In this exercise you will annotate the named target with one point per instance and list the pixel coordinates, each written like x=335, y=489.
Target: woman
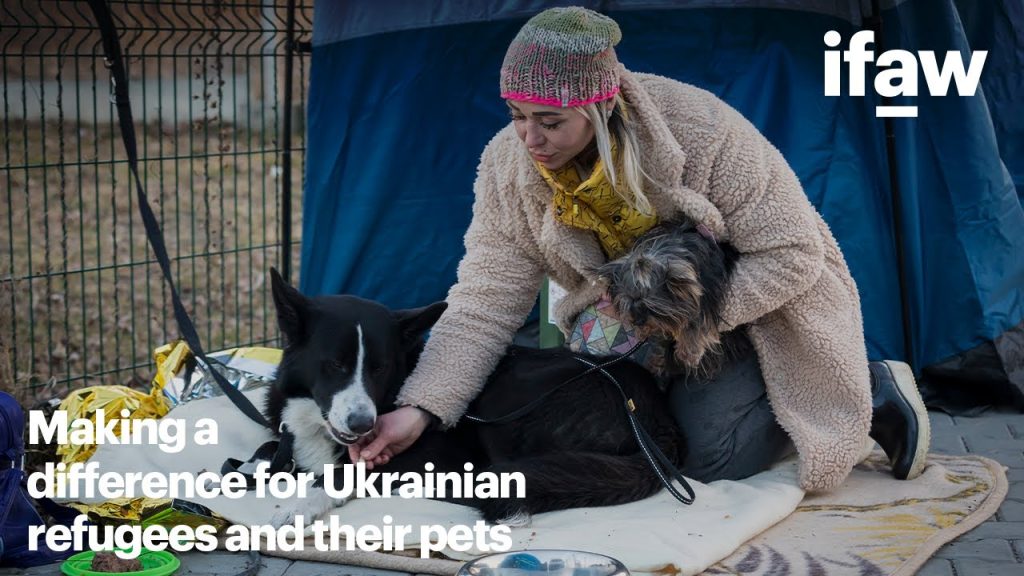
x=596, y=155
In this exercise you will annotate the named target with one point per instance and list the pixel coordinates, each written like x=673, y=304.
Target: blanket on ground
x=762, y=524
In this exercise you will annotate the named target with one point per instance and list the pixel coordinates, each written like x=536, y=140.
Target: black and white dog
x=346, y=359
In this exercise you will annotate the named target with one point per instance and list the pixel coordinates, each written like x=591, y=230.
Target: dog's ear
x=291, y=308
x=415, y=322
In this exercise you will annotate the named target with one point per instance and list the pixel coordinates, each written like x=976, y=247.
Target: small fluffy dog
x=670, y=288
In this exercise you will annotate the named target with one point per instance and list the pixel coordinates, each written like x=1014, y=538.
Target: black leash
x=647, y=444
x=119, y=95
x=277, y=452
x=659, y=462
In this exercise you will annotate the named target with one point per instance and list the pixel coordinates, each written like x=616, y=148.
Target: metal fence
x=218, y=91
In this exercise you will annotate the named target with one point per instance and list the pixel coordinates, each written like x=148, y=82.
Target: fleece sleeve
x=497, y=284
x=770, y=222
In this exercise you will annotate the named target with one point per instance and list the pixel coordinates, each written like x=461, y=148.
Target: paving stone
x=992, y=421
x=303, y=568
x=940, y=419
x=937, y=567
x=222, y=563
x=974, y=567
x=1013, y=458
x=1007, y=451
x=979, y=444
x=956, y=448
x=995, y=433
x=989, y=549
x=1016, y=491
x=953, y=444
x=1011, y=511
x=995, y=530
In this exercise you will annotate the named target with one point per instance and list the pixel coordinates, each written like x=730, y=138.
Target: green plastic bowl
x=154, y=563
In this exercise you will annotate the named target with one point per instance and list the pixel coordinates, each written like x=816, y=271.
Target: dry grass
x=82, y=301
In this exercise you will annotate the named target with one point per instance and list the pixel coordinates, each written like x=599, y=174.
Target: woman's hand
x=393, y=434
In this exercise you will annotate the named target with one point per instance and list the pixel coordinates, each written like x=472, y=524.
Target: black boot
x=899, y=420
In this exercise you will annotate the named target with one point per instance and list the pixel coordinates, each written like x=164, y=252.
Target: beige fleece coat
x=791, y=286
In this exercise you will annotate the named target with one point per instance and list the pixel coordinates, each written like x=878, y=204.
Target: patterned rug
x=873, y=525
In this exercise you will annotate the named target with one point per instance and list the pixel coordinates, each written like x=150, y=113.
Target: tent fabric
x=399, y=113
x=998, y=27
x=347, y=20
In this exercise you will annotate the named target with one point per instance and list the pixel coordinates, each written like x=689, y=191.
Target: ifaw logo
x=899, y=76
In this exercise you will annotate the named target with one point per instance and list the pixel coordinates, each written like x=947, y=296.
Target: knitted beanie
x=563, y=57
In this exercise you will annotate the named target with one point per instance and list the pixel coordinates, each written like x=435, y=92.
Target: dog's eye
x=341, y=367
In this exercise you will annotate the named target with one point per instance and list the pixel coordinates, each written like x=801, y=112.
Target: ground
x=996, y=548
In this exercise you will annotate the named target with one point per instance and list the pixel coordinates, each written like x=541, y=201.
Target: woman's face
x=553, y=136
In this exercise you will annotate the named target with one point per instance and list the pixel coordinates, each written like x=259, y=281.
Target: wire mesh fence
x=221, y=145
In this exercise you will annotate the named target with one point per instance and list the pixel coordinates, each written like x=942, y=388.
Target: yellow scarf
x=592, y=204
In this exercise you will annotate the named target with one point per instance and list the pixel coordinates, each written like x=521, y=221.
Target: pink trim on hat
x=522, y=97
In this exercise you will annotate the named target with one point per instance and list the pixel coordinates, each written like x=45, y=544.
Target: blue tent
x=403, y=98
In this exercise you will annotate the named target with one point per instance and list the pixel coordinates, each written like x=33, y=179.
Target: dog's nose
x=360, y=423
x=638, y=313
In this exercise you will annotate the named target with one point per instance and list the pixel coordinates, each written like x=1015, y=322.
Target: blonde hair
x=618, y=126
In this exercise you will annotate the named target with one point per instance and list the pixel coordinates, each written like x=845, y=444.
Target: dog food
x=109, y=562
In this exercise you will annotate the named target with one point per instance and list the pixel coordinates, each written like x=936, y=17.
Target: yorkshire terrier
x=670, y=289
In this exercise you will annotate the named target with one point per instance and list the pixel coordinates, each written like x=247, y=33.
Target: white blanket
x=646, y=536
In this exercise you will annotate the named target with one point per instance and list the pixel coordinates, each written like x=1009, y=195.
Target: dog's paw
x=510, y=512
x=313, y=506
x=283, y=516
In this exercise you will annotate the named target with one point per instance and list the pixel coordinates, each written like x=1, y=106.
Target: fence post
x=286, y=140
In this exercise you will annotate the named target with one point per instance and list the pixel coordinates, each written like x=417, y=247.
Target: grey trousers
x=728, y=425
